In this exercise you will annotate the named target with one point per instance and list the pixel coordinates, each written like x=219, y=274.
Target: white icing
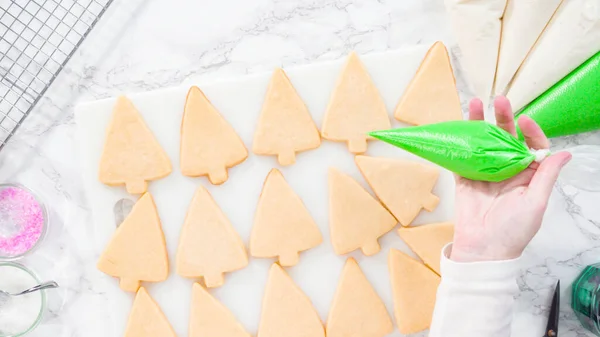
x=522, y=25
x=540, y=155
x=572, y=37
x=477, y=27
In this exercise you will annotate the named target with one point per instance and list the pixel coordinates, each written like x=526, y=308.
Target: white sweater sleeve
x=475, y=299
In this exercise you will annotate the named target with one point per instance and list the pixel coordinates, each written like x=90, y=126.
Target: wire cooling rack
x=37, y=39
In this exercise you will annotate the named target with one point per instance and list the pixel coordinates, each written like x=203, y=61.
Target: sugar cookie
x=356, y=219
x=431, y=96
x=286, y=310
x=209, y=245
x=355, y=108
x=285, y=125
x=283, y=227
x=146, y=319
x=414, y=288
x=208, y=317
x=357, y=310
x=427, y=241
x=137, y=251
x=131, y=154
x=403, y=186
x=209, y=145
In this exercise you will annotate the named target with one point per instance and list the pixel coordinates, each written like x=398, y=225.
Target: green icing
x=476, y=150
x=572, y=105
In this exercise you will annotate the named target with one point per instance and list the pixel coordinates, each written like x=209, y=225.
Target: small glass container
x=23, y=221
x=586, y=298
x=16, y=278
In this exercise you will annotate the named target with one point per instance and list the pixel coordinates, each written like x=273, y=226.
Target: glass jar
x=586, y=298
x=22, y=314
x=23, y=221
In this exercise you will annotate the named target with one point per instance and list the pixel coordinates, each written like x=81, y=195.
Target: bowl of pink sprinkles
x=23, y=221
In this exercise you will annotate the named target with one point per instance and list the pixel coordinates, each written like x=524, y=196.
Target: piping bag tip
x=385, y=135
x=377, y=134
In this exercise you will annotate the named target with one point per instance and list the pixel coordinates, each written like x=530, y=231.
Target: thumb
x=545, y=177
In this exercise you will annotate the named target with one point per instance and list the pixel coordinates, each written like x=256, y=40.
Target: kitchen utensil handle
x=45, y=285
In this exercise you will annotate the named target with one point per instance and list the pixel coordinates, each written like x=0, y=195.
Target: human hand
x=496, y=221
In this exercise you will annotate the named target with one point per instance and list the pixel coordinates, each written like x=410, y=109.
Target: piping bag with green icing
x=572, y=105
x=475, y=150
x=478, y=150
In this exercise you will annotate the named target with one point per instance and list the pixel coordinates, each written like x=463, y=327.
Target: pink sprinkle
x=21, y=221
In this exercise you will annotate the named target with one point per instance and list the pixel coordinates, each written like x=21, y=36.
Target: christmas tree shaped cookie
x=209, y=145
x=209, y=245
x=285, y=125
x=427, y=241
x=146, y=319
x=431, y=96
x=211, y=318
x=137, y=251
x=286, y=310
x=131, y=155
x=355, y=108
x=403, y=186
x=282, y=225
x=357, y=310
x=356, y=219
x=414, y=288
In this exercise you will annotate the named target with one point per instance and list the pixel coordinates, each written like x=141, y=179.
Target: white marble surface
x=143, y=45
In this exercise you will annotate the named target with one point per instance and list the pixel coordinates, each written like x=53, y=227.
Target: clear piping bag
x=583, y=171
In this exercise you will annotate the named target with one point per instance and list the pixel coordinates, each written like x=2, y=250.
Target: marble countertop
x=145, y=45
